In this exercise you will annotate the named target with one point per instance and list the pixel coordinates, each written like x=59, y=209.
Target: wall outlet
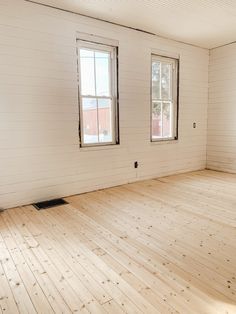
x=135, y=164
x=194, y=125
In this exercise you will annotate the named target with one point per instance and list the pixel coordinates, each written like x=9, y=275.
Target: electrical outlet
x=135, y=164
x=194, y=125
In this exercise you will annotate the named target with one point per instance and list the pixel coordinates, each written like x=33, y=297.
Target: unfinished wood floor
x=157, y=246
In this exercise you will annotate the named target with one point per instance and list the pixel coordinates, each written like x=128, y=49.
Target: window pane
x=90, y=125
x=155, y=80
x=105, y=120
x=102, y=73
x=165, y=80
x=164, y=97
x=87, y=72
x=98, y=93
x=166, y=119
x=156, y=119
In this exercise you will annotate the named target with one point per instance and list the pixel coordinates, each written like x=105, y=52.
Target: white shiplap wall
x=222, y=109
x=40, y=156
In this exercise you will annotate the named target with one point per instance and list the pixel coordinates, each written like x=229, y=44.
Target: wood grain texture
x=40, y=153
x=156, y=246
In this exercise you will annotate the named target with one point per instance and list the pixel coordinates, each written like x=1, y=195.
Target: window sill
x=164, y=141
x=99, y=147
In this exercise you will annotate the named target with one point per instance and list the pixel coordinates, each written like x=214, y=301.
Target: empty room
x=118, y=156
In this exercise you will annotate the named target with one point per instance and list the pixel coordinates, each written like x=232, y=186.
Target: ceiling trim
x=220, y=46
x=117, y=24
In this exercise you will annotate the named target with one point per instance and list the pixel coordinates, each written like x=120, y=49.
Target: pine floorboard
x=165, y=245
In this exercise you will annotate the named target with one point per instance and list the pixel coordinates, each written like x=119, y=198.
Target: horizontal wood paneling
x=221, y=112
x=40, y=155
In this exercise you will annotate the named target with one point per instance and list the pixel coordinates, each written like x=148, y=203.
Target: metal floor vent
x=49, y=204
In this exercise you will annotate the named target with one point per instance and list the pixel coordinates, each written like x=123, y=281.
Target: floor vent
x=49, y=204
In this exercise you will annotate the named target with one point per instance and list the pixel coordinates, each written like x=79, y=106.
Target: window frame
x=175, y=97
x=113, y=75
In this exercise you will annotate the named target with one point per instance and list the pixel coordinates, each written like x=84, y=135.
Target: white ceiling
x=206, y=23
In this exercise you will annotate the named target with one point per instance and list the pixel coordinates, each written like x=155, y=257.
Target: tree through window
x=164, y=98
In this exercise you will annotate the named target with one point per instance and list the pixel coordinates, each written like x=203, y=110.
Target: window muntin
x=97, y=94
x=164, y=102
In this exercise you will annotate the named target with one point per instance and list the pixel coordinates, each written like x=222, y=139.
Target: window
x=164, y=98
x=97, y=67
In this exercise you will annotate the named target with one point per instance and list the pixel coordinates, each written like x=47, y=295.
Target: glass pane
x=155, y=80
x=90, y=126
x=102, y=73
x=87, y=72
x=156, y=119
x=165, y=80
x=166, y=119
x=105, y=120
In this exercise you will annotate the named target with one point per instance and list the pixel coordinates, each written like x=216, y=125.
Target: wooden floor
x=157, y=246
